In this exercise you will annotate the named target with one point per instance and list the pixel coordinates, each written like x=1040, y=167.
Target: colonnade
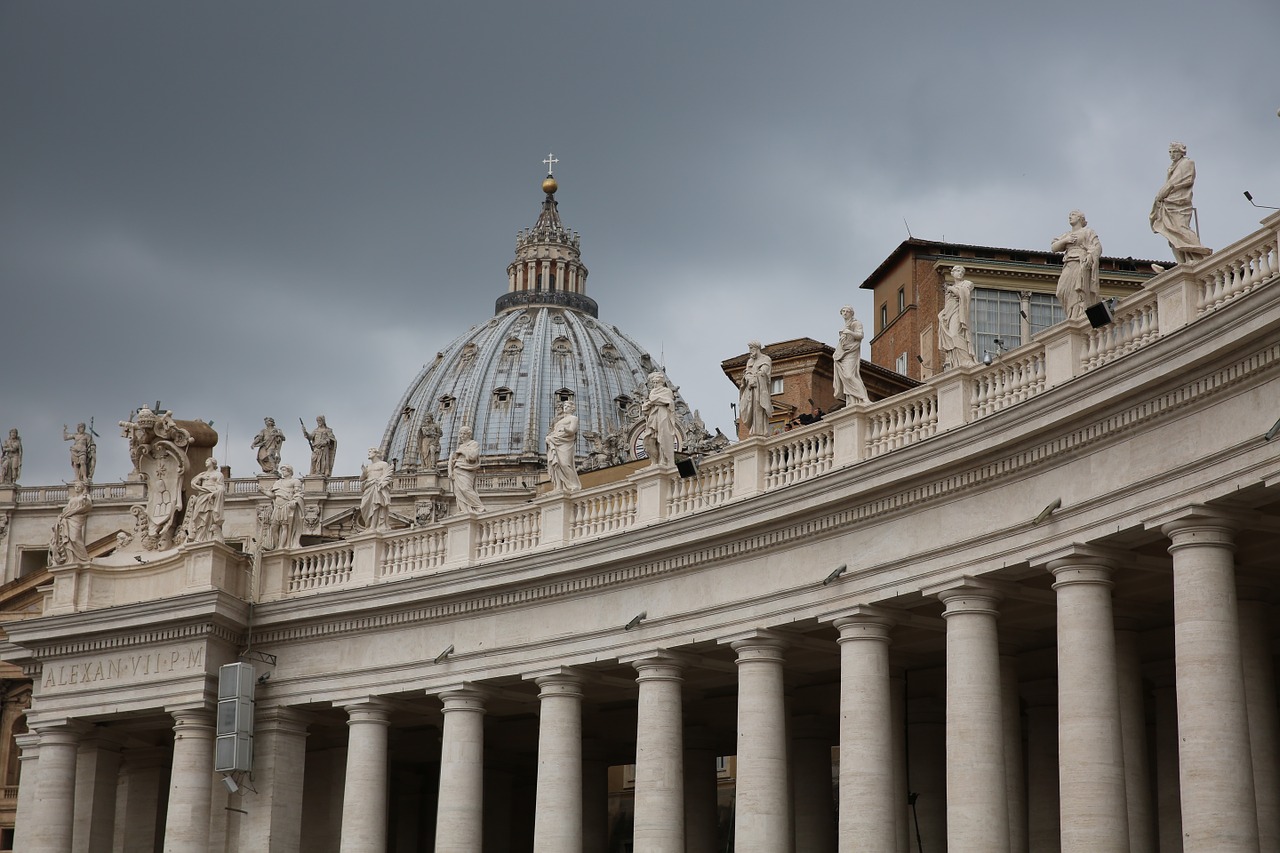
x=1211, y=789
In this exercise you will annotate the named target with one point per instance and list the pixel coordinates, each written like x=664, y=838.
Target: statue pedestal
x=313, y=485
x=8, y=493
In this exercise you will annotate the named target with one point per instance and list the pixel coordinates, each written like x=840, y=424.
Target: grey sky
x=286, y=208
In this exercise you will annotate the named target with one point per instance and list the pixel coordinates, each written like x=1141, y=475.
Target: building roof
x=988, y=253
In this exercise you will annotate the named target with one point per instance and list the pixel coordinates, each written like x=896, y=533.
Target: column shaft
x=557, y=823
x=1168, y=785
x=274, y=820
x=138, y=818
x=186, y=826
x=659, y=789
x=868, y=805
x=1044, y=832
x=1014, y=775
x=28, y=784
x=97, y=779
x=51, y=827
x=364, y=795
x=1133, y=726
x=762, y=812
x=1095, y=817
x=460, y=807
x=1219, y=813
x=701, y=815
x=977, y=800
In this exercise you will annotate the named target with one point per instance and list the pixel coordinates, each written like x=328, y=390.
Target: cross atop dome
x=550, y=162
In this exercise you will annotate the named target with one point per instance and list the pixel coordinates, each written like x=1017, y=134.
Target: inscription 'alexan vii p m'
x=128, y=667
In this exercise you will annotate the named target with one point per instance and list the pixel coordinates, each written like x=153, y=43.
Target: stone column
x=868, y=805
x=557, y=823
x=274, y=820
x=1014, y=775
x=1133, y=726
x=28, y=745
x=1095, y=817
x=977, y=800
x=762, y=814
x=1044, y=832
x=97, y=778
x=1260, y=695
x=50, y=828
x=364, y=795
x=1219, y=812
x=812, y=797
x=659, y=789
x=186, y=825
x=1168, y=786
x=460, y=806
x=701, y=812
x=138, y=799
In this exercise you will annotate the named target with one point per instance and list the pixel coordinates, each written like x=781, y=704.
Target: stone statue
x=848, y=360
x=755, y=397
x=561, y=443
x=1171, y=210
x=955, y=335
x=67, y=543
x=1078, y=286
x=11, y=458
x=375, y=492
x=84, y=452
x=463, y=465
x=429, y=442
x=204, y=510
x=324, y=446
x=660, y=421
x=158, y=449
x=284, y=524
x=268, y=442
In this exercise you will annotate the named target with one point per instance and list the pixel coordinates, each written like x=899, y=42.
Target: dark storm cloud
x=286, y=208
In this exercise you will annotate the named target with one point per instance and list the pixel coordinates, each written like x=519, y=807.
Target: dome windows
x=502, y=398
x=564, y=395
x=446, y=403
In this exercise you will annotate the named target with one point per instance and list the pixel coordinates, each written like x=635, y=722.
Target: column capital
x=1079, y=553
x=863, y=622
x=756, y=644
x=464, y=699
x=282, y=718
x=371, y=710
x=1180, y=524
x=567, y=683
x=1071, y=571
x=966, y=595
x=658, y=668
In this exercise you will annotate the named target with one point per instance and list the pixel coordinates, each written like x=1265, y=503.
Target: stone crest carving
x=158, y=449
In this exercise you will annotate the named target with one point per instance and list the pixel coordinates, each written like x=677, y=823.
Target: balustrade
x=606, y=512
x=1134, y=325
x=416, y=551
x=1237, y=269
x=712, y=487
x=1017, y=376
x=799, y=456
x=500, y=536
x=902, y=421
x=320, y=569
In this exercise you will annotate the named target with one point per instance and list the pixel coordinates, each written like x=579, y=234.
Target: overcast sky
x=285, y=208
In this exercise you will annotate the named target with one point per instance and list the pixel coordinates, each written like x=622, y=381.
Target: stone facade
x=1030, y=603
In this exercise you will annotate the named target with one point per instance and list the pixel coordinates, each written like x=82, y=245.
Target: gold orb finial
x=549, y=185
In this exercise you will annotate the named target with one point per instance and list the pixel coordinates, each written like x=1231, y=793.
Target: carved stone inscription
x=128, y=667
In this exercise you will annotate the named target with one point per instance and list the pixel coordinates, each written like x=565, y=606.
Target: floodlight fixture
x=636, y=620
x=1273, y=432
x=1047, y=511
x=444, y=654
x=837, y=572
x=1249, y=196
x=230, y=782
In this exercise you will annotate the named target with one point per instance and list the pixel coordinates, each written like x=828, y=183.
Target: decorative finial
x=549, y=185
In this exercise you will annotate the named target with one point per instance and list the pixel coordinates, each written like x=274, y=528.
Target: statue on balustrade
x=464, y=462
x=375, y=492
x=324, y=446
x=1171, y=211
x=284, y=523
x=429, y=435
x=755, y=395
x=67, y=544
x=205, y=508
x=955, y=334
x=268, y=442
x=848, y=360
x=562, y=443
x=11, y=458
x=1078, y=284
x=659, y=421
x=84, y=452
